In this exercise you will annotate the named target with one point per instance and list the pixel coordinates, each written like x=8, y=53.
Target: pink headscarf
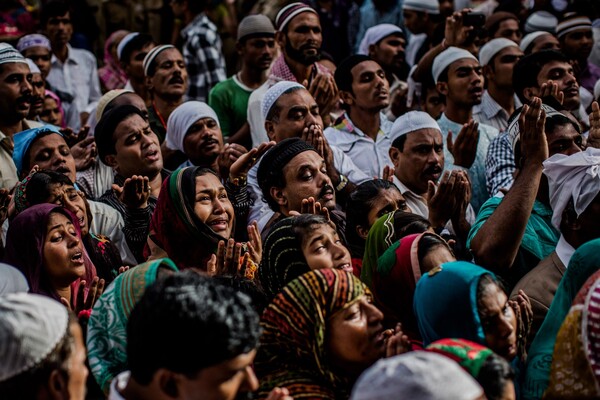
x=111, y=75
x=53, y=96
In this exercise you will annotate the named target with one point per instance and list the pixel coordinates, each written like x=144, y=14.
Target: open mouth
x=477, y=91
x=219, y=225
x=152, y=155
x=345, y=267
x=77, y=258
x=210, y=143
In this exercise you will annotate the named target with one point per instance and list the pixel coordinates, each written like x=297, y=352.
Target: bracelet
x=241, y=181
x=342, y=184
x=444, y=44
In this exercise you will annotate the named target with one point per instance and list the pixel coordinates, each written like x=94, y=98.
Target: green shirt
x=229, y=99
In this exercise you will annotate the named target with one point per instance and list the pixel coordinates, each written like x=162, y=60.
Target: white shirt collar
x=564, y=251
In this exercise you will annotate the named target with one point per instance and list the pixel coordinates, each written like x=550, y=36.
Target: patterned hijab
x=175, y=228
x=469, y=355
x=380, y=238
x=447, y=295
x=292, y=352
x=107, y=326
x=575, y=372
x=584, y=263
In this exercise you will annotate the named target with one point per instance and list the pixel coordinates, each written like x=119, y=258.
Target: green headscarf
x=381, y=237
x=583, y=264
x=107, y=327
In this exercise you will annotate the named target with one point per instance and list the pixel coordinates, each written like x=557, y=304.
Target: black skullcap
x=105, y=129
x=270, y=170
x=343, y=73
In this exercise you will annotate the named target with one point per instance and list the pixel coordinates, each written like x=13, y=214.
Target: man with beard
x=127, y=144
x=201, y=48
x=458, y=76
x=229, y=99
x=362, y=132
x=37, y=91
x=15, y=103
x=291, y=112
x=299, y=38
x=73, y=71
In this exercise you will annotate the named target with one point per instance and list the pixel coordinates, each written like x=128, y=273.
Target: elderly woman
x=319, y=334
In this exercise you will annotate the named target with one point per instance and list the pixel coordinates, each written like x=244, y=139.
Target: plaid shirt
x=203, y=58
x=499, y=164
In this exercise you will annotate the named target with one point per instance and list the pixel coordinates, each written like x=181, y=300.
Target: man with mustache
x=299, y=37
x=37, y=91
x=362, y=132
x=417, y=153
x=15, y=103
x=201, y=48
x=458, y=76
x=229, y=99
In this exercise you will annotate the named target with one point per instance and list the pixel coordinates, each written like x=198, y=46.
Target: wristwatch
x=342, y=184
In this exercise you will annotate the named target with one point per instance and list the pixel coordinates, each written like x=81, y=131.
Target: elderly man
x=362, y=132
x=291, y=112
x=458, y=76
x=298, y=34
x=574, y=188
x=15, y=104
x=498, y=58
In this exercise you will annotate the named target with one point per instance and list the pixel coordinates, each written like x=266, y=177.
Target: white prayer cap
x=418, y=375
x=513, y=132
x=275, y=93
x=575, y=177
x=572, y=23
x=182, y=118
x=447, y=57
x=287, y=13
x=152, y=54
x=9, y=54
x=493, y=47
x=426, y=6
x=31, y=326
x=376, y=33
x=412, y=121
x=32, y=67
x=530, y=38
x=12, y=280
x=107, y=98
x=33, y=40
x=597, y=90
x=126, y=39
x=541, y=21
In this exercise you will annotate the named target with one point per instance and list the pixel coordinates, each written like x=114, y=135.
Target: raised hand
x=254, y=243
x=230, y=153
x=464, y=148
x=85, y=302
x=550, y=89
x=228, y=260
x=311, y=206
x=135, y=191
x=240, y=168
x=279, y=394
x=456, y=34
x=594, y=136
x=396, y=342
x=388, y=174
x=73, y=138
x=324, y=90
x=534, y=146
x=442, y=200
x=84, y=152
x=524, y=315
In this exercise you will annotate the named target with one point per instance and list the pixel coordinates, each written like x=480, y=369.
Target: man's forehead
x=308, y=157
x=168, y=55
x=304, y=18
x=365, y=66
x=464, y=63
x=10, y=68
x=424, y=136
x=299, y=97
x=553, y=65
x=392, y=37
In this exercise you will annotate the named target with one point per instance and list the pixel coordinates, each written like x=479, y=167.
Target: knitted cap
x=33, y=40
x=412, y=121
x=124, y=43
x=530, y=38
x=541, y=21
x=426, y=6
x=447, y=57
x=274, y=93
x=493, y=47
x=572, y=22
x=9, y=54
x=287, y=13
x=375, y=34
x=255, y=25
x=152, y=54
x=31, y=326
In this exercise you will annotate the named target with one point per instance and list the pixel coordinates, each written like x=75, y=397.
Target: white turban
x=31, y=326
x=182, y=118
x=530, y=38
x=33, y=68
x=411, y=122
x=447, y=57
x=124, y=42
x=375, y=34
x=575, y=177
x=418, y=375
x=493, y=47
x=275, y=93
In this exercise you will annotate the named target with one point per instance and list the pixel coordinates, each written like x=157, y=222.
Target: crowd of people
x=385, y=199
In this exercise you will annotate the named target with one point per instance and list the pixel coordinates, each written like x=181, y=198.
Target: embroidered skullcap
x=493, y=47
x=572, y=22
x=343, y=73
x=528, y=39
x=105, y=129
x=9, y=54
x=33, y=40
x=575, y=177
x=32, y=67
x=426, y=6
x=417, y=375
x=275, y=92
x=124, y=43
x=151, y=56
x=31, y=326
x=513, y=132
x=182, y=118
x=375, y=34
x=597, y=90
x=23, y=142
x=106, y=99
x=541, y=21
x=411, y=122
x=255, y=25
x=287, y=13
x=12, y=280
x=446, y=58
